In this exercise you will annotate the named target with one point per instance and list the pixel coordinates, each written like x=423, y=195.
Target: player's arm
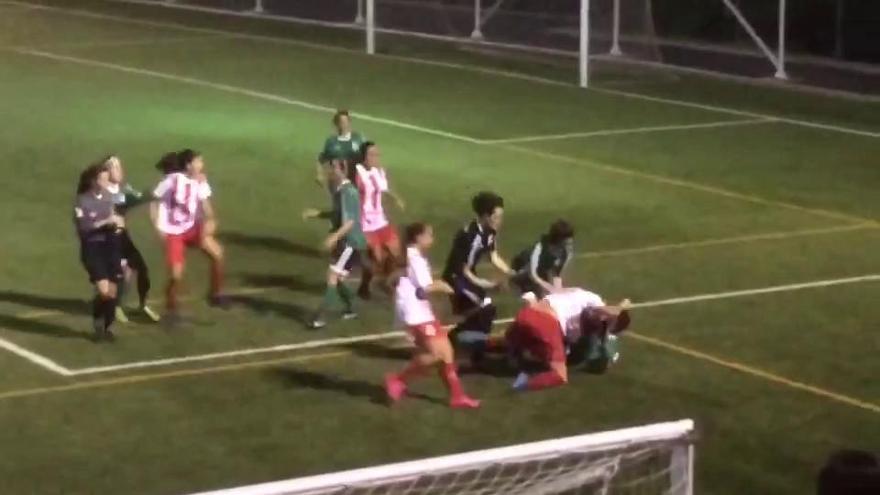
x=397, y=199
x=534, y=262
x=500, y=263
x=208, y=210
x=86, y=224
x=478, y=281
x=321, y=164
x=613, y=311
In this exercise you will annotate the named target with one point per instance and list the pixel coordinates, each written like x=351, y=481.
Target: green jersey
x=347, y=206
x=347, y=147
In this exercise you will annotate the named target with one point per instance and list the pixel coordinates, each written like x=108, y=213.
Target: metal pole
x=477, y=33
x=584, y=58
x=838, y=29
x=258, y=7
x=359, y=17
x=615, y=31
x=780, y=57
x=371, y=27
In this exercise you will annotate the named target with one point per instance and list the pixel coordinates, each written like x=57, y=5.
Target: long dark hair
x=169, y=163
x=88, y=176
x=185, y=157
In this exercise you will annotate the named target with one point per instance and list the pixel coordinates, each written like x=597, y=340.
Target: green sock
x=346, y=295
x=330, y=300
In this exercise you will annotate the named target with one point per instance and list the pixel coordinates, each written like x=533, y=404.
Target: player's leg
x=538, y=335
x=375, y=254
x=393, y=252
x=337, y=292
x=138, y=265
x=211, y=247
x=441, y=348
x=175, y=247
x=477, y=313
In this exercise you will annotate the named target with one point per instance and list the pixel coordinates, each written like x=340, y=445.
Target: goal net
x=647, y=460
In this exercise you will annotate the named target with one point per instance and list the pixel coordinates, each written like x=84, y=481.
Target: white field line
x=316, y=344
x=769, y=236
x=126, y=42
x=237, y=90
x=451, y=65
x=631, y=130
x=33, y=357
x=403, y=125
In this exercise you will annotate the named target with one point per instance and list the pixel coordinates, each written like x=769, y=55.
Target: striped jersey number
x=179, y=211
x=377, y=193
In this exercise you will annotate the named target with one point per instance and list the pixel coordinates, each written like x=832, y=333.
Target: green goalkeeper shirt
x=347, y=206
x=347, y=147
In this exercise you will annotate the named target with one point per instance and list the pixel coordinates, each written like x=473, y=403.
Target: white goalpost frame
x=594, y=442
x=258, y=7
x=615, y=31
x=477, y=33
x=359, y=17
x=370, y=30
x=777, y=59
x=584, y=51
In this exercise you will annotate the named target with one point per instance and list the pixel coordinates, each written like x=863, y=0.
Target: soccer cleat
x=394, y=387
x=349, y=315
x=219, y=301
x=99, y=329
x=522, y=382
x=150, y=314
x=364, y=292
x=121, y=317
x=464, y=402
x=317, y=324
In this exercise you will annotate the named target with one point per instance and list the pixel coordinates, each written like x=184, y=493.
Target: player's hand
x=329, y=243
x=401, y=204
x=625, y=304
x=311, y=213
x=118, y=221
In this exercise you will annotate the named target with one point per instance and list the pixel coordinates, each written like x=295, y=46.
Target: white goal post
x=654, y=459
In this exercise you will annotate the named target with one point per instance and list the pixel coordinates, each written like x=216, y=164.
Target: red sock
x=171, y=295
x=547, y=379
x=216, y=277
x=412, y=370
x=450, y=378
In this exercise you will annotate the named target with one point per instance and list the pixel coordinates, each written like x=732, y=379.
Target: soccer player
x=96, y=222
x=470, y=300
x=124, y=198
x=413, y=309
x=184, y=217
x=382, y=240
x=539, y=268
x=543, y=330
x=345, y=145
x=345, y=243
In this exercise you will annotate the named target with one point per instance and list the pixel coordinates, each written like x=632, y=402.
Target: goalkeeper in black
x=539, y=268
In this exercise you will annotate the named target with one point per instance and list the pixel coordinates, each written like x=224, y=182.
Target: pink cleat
x=464, y=402
x=394, y=387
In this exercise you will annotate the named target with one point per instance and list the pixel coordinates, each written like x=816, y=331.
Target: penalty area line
x=132, y=379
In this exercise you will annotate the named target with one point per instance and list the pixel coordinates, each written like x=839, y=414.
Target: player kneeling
x=414, y=310
x=543, y=331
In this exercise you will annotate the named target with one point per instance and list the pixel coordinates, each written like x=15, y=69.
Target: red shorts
x=537, y=333
x=422, y=333
x=382, y=240
x=176, y=244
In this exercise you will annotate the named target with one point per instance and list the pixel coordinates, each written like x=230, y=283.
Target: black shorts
x=467, y=296
x=344, y=258
x=102, y=260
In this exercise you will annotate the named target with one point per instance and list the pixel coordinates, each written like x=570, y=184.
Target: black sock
x=143, y=285
x=98, y=312
x=109, y=311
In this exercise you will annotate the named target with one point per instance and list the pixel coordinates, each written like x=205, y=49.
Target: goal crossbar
x=594, y=442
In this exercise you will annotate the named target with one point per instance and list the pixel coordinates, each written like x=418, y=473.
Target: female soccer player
x=539, y=268
x=345, y=144
x=414, y=310
x=96, y=221
x=542, y=330
x=124, y=198
x=345, y=243
x=184, y=217
x=382, y=240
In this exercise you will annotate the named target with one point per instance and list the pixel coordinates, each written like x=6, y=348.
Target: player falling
x=184, y=217
x=345, y=244
x=413, y=309
x=542, y=331
x=382, y=240
x=539, y=269
x=470, y=301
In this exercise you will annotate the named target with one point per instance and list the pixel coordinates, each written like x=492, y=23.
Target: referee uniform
x=99, y=253
x=124, y=198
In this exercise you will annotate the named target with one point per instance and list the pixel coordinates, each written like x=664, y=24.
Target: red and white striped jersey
x=372, y=183
x=179, y=200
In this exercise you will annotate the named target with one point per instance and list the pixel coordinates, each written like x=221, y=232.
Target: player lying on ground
x=382, y=240
x=345, y=145
x=413, y=309
x=543, y=331
x=345, y=243
x=96, y=223
x=539, y=268
x=184, y=217
x=124, y=198
x=470, y=301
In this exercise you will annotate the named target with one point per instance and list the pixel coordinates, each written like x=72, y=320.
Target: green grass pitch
x=775, y=380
